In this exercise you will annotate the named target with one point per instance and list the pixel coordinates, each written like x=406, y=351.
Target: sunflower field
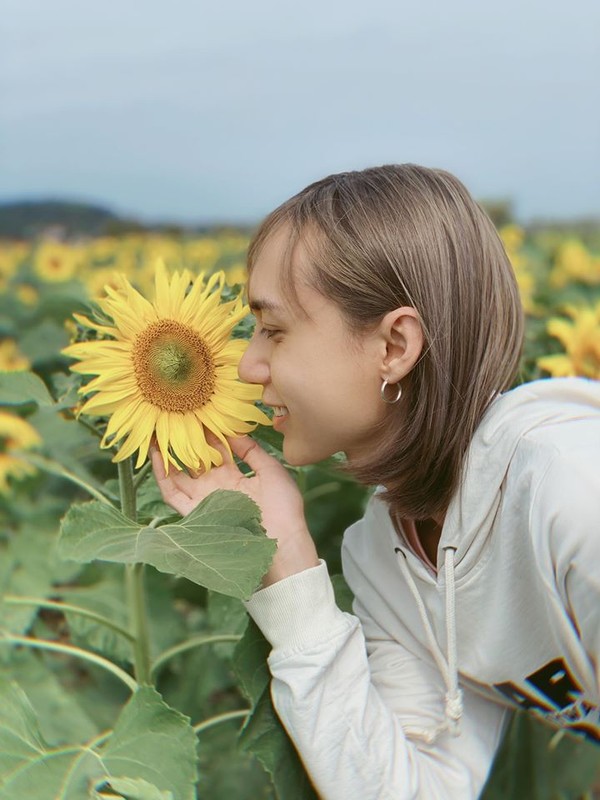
x=128, y=666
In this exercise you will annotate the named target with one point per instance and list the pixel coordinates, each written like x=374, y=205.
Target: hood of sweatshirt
x=511, y=416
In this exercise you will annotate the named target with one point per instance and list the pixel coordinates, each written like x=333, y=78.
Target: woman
x=389, y=328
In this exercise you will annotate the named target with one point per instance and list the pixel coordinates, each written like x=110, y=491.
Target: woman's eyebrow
x=259, y=304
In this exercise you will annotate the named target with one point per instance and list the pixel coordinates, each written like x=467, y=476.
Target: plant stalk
x=228, y=715
x=71, y=650
x=54, y=468
x=41, y=602
x=134, y=582
x=196, y=641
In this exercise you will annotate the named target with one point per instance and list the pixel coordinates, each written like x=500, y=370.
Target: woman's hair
x=405, y=235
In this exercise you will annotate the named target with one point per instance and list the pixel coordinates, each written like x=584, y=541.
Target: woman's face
x=322, y=381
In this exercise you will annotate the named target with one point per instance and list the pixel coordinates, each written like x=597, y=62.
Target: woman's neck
x=429, y=532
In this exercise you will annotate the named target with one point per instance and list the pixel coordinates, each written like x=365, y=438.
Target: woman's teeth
x=279, y=411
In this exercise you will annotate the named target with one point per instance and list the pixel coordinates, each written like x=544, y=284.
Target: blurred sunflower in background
x=55, y=262
x=580, y=337
x=16, y=434
x=168, y=368
x=11, y=358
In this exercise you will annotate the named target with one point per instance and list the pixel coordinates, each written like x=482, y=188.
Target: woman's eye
x=268, y=333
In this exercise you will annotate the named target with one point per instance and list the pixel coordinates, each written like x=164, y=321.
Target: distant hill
x=28, y=218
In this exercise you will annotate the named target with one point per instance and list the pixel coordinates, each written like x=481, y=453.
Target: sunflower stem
x=134, y=582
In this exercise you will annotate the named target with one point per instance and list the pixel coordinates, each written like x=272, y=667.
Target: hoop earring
x=394, y=399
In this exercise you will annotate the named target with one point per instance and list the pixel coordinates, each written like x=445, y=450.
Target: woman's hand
x=271, y=488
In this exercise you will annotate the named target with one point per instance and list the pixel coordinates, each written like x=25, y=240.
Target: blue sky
x=197, y=111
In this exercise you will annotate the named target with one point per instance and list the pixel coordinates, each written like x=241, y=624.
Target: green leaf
x=69, y=443
x=155, y=743
x=343, y=593
x=28, y=767
x=220, y=545
x=250, y=662
x=151, y=742
x=263, y=734
x=61, y=718
x=131, y=789
x=18, y=388
x=105, y=597
x=30, y=562
x=225, y=615
x=43, y=343
x=527, y=765
x=20, y=739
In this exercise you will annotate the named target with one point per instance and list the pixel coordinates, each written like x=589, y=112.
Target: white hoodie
x=513, y=615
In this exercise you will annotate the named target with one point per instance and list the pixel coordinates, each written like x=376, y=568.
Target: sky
x=194, y=112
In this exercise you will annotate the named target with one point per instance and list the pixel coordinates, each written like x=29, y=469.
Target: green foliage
x=219, y=545
x=20, y=388
x=263, y=733
x=538, y=763
x=151, y=744
x=177, y=628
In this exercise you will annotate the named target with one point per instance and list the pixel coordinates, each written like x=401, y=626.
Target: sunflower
x=11, y=358
x=15, y=434
x=574, y=262
x=236, y=274
x=581, y=340
x=27, y=294
x=168, y=368
x=55, y=262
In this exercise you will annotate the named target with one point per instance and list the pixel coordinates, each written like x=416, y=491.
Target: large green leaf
x=29, y=561
x=263, y=734
x=220, y=545
x=42, y=344
x=28, y=767
x=250, y=662
x=130, y=789
x=107, y=598
x=69, y=443
x=20, y=739
x=151, y=744
x=529, y=765
x=17, y=388
x=61, y=718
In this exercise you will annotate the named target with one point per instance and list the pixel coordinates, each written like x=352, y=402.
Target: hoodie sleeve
x=350, y=715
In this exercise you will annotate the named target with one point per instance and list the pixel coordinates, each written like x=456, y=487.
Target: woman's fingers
x=251, y=453
x=183, y=492
x=171, y=493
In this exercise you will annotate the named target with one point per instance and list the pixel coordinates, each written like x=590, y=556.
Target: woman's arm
x=345, y=716
x=347, y=713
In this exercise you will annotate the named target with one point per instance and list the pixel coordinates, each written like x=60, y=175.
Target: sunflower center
x=173, y=363
x=174, y=367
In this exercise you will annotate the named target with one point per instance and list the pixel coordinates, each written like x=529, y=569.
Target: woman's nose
x=254, y=367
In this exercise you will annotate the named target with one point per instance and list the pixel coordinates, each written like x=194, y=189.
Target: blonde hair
x=405, y=235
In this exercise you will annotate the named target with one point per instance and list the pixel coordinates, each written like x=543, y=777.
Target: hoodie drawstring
x=453, y=706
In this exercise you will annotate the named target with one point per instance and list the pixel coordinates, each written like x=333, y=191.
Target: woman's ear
x=403, y=340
